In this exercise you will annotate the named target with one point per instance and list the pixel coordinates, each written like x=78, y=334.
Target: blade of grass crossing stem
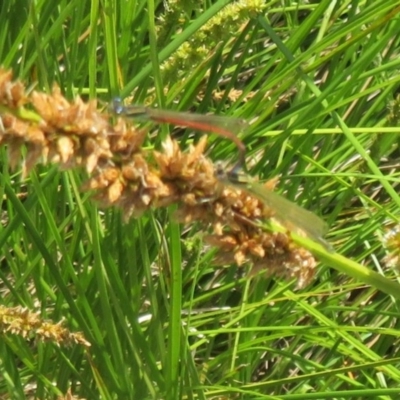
x=174, y=331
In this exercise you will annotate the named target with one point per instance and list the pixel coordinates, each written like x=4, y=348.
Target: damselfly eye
x=117, y=106
x=220, y=172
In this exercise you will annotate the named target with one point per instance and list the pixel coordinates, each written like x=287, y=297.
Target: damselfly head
x=219, y=171
x=116, y=106
x=234, y=175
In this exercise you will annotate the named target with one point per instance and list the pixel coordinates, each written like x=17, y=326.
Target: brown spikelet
x=12, y=93
x=27, y=324
x=69, y=396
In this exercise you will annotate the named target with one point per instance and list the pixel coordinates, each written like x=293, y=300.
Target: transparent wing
x=287, y=213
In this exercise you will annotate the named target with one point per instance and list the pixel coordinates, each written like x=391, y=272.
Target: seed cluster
x=123, y=174
x=27, y=324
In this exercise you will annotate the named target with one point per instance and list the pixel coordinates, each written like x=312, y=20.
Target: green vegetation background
x=318, y=82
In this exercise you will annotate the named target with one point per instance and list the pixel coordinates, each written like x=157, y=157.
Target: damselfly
x=227, y=127
x=287, y=213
